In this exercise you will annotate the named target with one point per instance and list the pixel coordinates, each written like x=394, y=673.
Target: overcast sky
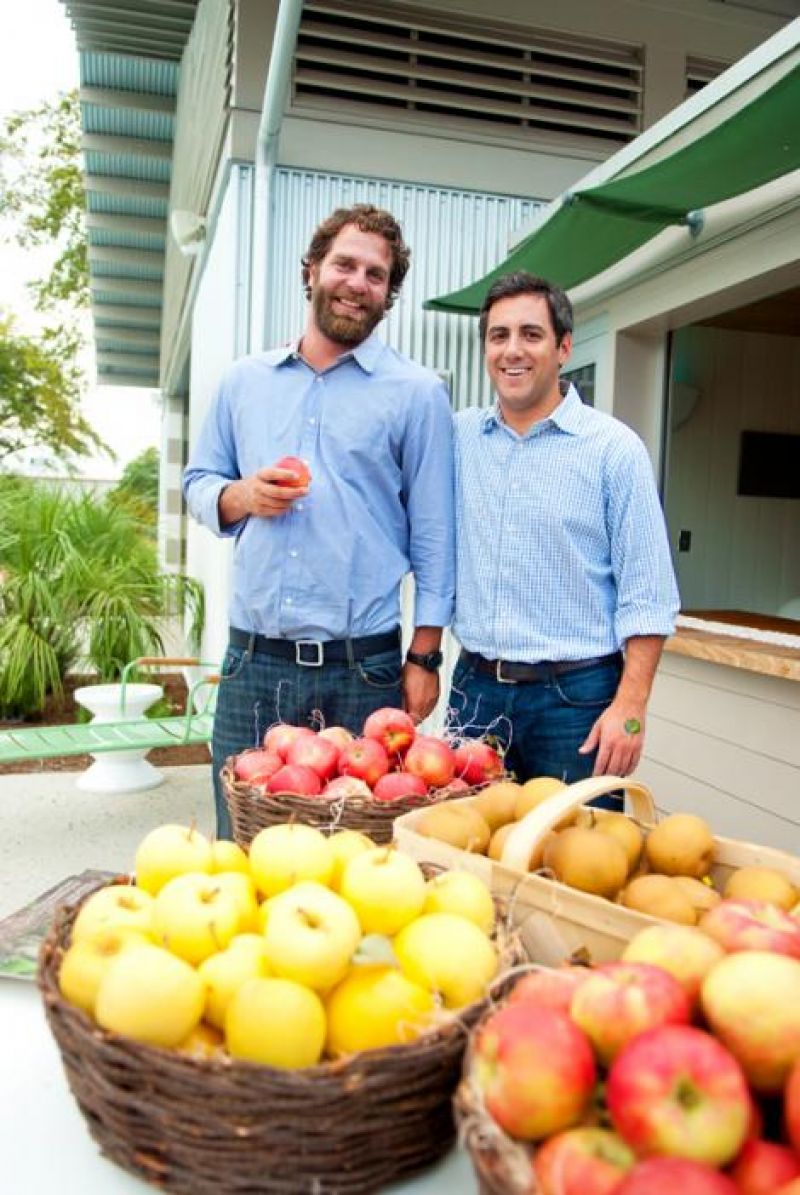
x=38, y=59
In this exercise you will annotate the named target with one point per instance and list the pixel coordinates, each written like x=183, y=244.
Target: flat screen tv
x=769, y=465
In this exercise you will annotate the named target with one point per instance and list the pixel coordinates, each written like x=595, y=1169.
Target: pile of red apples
x=672, y=1071
x=388, y=761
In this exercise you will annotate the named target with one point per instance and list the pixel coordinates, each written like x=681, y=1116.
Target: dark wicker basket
x=207, y=1127
x=252, y=810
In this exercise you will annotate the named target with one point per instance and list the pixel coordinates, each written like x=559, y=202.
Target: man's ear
x=565, y=348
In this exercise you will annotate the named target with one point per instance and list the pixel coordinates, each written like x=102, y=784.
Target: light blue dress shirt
x=376, y=431
x=562, y=552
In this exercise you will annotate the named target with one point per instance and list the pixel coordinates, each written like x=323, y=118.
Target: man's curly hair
x=367, y=218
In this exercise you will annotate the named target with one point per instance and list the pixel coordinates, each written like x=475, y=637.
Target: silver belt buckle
x=317, y=644
x=502, y=680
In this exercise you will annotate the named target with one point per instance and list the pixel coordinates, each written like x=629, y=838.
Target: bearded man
x=315, y=606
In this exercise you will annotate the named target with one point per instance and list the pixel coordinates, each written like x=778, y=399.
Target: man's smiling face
x=350, y=286
x=523, y=359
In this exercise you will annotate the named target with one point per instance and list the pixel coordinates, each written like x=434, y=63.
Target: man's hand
x=420, y=691
x=267, y=494
x=619, y=750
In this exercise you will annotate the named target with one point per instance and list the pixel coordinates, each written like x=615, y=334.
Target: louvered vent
x=393, y=63
x=700, y=71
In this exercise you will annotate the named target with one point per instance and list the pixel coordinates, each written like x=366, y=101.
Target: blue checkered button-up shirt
x=562, y=552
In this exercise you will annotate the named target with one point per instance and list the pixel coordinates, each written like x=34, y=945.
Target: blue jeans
x=540, y=724
x=258, y=690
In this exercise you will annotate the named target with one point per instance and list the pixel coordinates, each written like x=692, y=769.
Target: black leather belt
x=514, y=672
x=313, y=653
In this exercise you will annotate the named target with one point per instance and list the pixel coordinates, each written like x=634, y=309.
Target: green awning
x=595, y=228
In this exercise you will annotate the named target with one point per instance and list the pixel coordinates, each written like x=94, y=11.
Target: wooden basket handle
x=530, y=830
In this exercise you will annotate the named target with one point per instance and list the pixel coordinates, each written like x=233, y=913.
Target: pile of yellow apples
x=308, y=948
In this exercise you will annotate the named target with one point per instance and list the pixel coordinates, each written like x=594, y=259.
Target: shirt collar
x=365, y=354
x=567, y=417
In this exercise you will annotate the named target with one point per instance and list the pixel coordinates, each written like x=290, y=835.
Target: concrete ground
x=50, y=829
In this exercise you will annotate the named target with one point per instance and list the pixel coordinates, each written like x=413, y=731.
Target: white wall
x=745, y=552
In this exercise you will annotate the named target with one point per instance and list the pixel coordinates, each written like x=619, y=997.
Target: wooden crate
x=557, y=921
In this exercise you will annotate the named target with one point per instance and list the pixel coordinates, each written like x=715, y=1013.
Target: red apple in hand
x=313, y=752
x=432, y=760
x=618, y=1001
x=535, y=1068
x=293, y=464
x=394, y=729
x=395, y=785
x=364, y=758
x=280, y=737
x=752, y=925
x=477, y=763
x=583, y=1161
x=674, y=1176
x=294, y=778
x=256, y=766
x=676, y=1090
x=763, y=1166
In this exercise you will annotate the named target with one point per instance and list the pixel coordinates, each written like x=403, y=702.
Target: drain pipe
x=279, y=74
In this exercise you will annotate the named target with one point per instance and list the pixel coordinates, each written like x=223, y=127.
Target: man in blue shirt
x=315, y=608
x=565, y=589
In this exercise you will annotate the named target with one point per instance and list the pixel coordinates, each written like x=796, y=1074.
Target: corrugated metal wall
x=455, y=236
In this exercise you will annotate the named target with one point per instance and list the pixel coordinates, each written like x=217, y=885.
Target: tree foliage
x=138, y=488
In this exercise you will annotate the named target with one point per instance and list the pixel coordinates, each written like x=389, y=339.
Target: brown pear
x=681, y=845
x=619, y=826
x=496, y=803
x=587, y=859
x=459, y=825
x=536, y=790
x=659, y=896
x=701, y=893
x=761, y=883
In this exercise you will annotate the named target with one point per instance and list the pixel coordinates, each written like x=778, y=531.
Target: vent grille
x=398, y=66
x=700, y=71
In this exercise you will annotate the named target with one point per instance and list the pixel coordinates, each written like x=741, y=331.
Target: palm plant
x=79, y=582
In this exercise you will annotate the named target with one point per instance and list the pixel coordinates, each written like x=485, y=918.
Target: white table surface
x=46, y=1147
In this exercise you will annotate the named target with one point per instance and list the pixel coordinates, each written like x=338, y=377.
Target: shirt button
x=293, y=552
x=298, y=505
x=312, y=420
x=287, y=601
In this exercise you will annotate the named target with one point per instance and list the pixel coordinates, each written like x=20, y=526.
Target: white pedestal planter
x=119, y=771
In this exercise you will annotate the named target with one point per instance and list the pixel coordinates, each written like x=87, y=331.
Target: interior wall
x=745, y=552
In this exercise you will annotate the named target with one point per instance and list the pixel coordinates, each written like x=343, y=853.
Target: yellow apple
x=228, y=856
x=345, y=845
x=86, y=962
x=386, y=889
x=253, y=944
x=311, y=936
x=112, y=907
x=168, y=851
x=464, y=893
x=149, y=994
x=449, y=955
x=193, y=917
x=284, y=854
x=224, y=973
x=374, y=1006
x=275, y=1022
x=243, y=890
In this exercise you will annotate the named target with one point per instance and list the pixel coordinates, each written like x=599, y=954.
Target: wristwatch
x=431, y=661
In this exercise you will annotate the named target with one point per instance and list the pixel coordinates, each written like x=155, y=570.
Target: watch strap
x=431, y=661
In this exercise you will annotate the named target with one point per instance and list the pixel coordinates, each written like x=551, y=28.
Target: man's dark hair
x=367, y=218
x=522, y=283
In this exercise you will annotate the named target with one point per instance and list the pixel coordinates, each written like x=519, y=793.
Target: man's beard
x=343, y=329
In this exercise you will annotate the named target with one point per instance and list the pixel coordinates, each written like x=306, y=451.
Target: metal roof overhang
x=588, y=230
x=129, y=54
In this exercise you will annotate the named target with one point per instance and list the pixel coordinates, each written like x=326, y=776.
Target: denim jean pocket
x=588, y=688
x=383, y=671
x=233, y=663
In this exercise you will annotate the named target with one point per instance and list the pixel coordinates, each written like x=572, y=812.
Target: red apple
x=280, y=737
x=451, y=789
x=752, y=925
x=302, y=473
x=296, y=779
x=676, y=1090
x=583, y=1161
x=394, y=729
x=551, y=986
x=535, y=1068
x=364, y=758
x=478, y=763
x=618, y=1001
x=337, y=735
x=791, y=1105
x=751, y=1001
x=762, y=1166
x=674, y=1176
x=683, y=950
x=343, y=788
x=256, y=766
x=790, y=1188
x=311, y=751
x=432, y=760
x=395, y=785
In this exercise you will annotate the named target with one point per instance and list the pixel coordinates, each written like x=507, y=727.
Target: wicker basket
x=252, y=809
x=206, y=1127
x=502, y=1166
